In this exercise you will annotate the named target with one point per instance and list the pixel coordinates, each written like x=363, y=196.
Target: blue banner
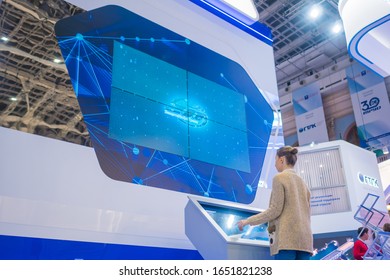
x=371, y=106
x=309, y=115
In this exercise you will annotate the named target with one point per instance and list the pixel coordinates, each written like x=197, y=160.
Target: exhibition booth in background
x=126, y=196
x=174, y=164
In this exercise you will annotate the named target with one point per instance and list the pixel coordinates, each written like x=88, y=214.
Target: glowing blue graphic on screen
x=158, y=105
x=227, y=220
x=162, y=110
x=195, y=116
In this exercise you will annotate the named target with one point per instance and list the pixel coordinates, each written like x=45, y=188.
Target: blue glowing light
x=135, y=151
x=193, y=116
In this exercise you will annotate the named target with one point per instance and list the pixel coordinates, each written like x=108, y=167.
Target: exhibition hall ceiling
x=36, y=93
x=307, y=34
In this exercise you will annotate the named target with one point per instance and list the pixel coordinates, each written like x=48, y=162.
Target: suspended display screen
x=161, y=109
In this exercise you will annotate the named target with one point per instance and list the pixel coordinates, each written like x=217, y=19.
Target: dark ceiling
x=299, y=40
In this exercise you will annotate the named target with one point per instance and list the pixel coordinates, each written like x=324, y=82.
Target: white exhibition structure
x=366, y=26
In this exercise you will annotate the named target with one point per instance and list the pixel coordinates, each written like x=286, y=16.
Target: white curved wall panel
x=54, y=189
x=367, y=30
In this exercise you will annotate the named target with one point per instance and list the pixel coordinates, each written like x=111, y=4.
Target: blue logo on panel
x=162, y=110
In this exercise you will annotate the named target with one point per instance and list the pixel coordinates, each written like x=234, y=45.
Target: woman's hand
x=241, y=224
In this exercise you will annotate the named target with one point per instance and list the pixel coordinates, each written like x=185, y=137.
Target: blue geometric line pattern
x=223, y=148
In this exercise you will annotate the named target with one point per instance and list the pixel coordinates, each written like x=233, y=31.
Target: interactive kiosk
x=211, y=227
x=339, y=175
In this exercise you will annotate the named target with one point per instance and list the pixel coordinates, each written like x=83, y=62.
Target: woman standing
x=288, y=215
x=359, y=246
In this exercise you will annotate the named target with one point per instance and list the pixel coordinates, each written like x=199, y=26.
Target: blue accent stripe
x=257, y=30
x=354, y=42
x=27, y=248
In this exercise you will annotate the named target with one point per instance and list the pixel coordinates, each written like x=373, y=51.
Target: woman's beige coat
x=288, y=215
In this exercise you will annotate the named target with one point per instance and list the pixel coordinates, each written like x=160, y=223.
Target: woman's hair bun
x=288, y=152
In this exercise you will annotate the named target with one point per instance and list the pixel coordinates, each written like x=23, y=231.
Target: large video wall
x=161, y=109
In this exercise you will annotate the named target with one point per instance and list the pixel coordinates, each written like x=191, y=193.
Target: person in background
x=386, y=242
x=288, y=215
x=360, y=247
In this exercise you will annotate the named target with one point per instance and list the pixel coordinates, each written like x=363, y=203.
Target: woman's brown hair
x=290, y=153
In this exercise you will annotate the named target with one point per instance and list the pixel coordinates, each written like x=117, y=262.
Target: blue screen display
x=162, y=110
x=161, y=106
x=227, y=220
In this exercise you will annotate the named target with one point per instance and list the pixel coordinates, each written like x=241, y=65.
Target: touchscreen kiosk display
x=227, y=220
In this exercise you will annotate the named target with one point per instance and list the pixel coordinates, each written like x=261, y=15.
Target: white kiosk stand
x=211, y=227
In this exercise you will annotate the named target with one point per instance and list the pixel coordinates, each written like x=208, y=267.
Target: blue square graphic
x=221, y=104
x=142, y=74
x=141, y=121
x=221, y=145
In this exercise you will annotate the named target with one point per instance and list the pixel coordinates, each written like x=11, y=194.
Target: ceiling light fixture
x=56, y=60
x=5, y=39
x=337, y=28
x=315, y=12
